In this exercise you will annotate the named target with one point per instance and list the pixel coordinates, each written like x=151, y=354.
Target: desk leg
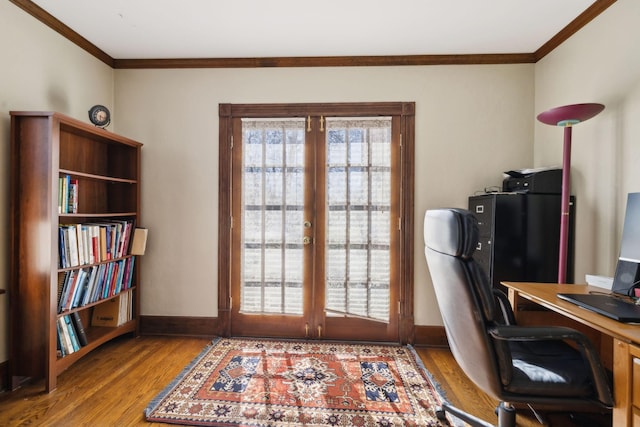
x=514, y=297
x=622, y=378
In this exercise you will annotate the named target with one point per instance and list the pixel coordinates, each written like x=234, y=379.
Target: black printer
x=539, y=181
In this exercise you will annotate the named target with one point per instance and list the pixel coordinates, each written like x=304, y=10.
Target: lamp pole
x=565, y=206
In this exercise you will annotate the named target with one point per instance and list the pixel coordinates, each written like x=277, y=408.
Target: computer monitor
x=630, y=247
x=627, y=276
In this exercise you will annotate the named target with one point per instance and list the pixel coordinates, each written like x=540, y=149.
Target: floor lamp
x=567, y=116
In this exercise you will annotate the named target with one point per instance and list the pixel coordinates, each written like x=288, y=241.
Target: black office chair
x=518, y=366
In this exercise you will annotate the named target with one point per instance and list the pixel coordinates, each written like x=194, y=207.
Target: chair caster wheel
x=506, y=415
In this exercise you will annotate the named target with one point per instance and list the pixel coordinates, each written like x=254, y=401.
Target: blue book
x=121, y=266
x=107, y=281
x=72, y=333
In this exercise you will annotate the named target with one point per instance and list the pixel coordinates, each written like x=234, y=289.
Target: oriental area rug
x=268, y=383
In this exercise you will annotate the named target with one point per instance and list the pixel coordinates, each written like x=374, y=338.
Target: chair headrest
x=451, y=231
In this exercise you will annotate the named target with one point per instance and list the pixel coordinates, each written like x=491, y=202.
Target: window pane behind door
x=272, y=215
x=358, y=216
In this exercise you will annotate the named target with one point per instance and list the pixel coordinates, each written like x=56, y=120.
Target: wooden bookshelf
x=47, y=146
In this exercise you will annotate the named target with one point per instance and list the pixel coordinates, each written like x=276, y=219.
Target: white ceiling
x=145, y=29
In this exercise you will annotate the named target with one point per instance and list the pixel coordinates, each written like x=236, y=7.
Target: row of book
x=83, y=286
x=67, y=195
x=89, y=243
x=71, y=334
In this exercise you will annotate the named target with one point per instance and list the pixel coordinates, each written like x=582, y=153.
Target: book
x=64, y=208
x=107, y=281
x=69, y=295
x=103, y=241
x=117, y=286
x=73, y=196
x=69, y=283
x=81, y=288
x=65, y=338
x=86, y=298
x=62, y=279
x=72, y=333
x=72, y=239
x=79, y=327
x=96, y=293
x=128, y=273
x=60, y=193
x=63, y=248
x=139, y=241
x=82, y=241
x=114, y=279
x=125, y=313
x=59, y=347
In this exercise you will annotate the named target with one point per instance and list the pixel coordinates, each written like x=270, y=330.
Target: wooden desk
x=625, y=338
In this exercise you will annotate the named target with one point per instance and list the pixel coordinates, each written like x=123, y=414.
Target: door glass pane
x=272, y=216
x=358, y=216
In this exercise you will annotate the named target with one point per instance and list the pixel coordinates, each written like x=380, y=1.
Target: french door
x=316, y=236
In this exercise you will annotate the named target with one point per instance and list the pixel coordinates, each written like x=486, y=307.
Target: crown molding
x=326, y=61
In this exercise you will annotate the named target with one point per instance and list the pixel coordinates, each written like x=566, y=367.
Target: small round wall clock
x=100, y=116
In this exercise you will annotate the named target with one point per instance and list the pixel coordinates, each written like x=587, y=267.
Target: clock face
x=100, y=116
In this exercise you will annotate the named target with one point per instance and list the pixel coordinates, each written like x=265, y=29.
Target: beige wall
x=39, y=70
x=598, y=64
x=472, y=123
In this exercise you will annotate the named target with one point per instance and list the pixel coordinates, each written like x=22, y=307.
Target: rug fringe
x=158, y=399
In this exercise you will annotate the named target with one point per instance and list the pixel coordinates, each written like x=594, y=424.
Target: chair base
x=505, y=412
x=464, y=416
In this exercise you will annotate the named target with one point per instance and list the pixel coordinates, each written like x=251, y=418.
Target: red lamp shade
x=569, y=115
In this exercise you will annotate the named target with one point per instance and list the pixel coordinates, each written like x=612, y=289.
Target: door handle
x=306, y=240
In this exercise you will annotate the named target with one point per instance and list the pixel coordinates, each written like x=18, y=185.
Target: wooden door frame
x=406, y=111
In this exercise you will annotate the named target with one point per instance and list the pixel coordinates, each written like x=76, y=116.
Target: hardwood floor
x=113, y=385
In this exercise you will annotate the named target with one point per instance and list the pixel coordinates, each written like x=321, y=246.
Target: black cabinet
x=520, y=236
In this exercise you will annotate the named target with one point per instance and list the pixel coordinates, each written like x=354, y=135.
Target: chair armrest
x=505, y=306
x=536, y=333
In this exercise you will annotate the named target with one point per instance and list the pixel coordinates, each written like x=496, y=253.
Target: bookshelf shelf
x=98, y=215
x=97, y=337
x=96, y=177
x=49, y=150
